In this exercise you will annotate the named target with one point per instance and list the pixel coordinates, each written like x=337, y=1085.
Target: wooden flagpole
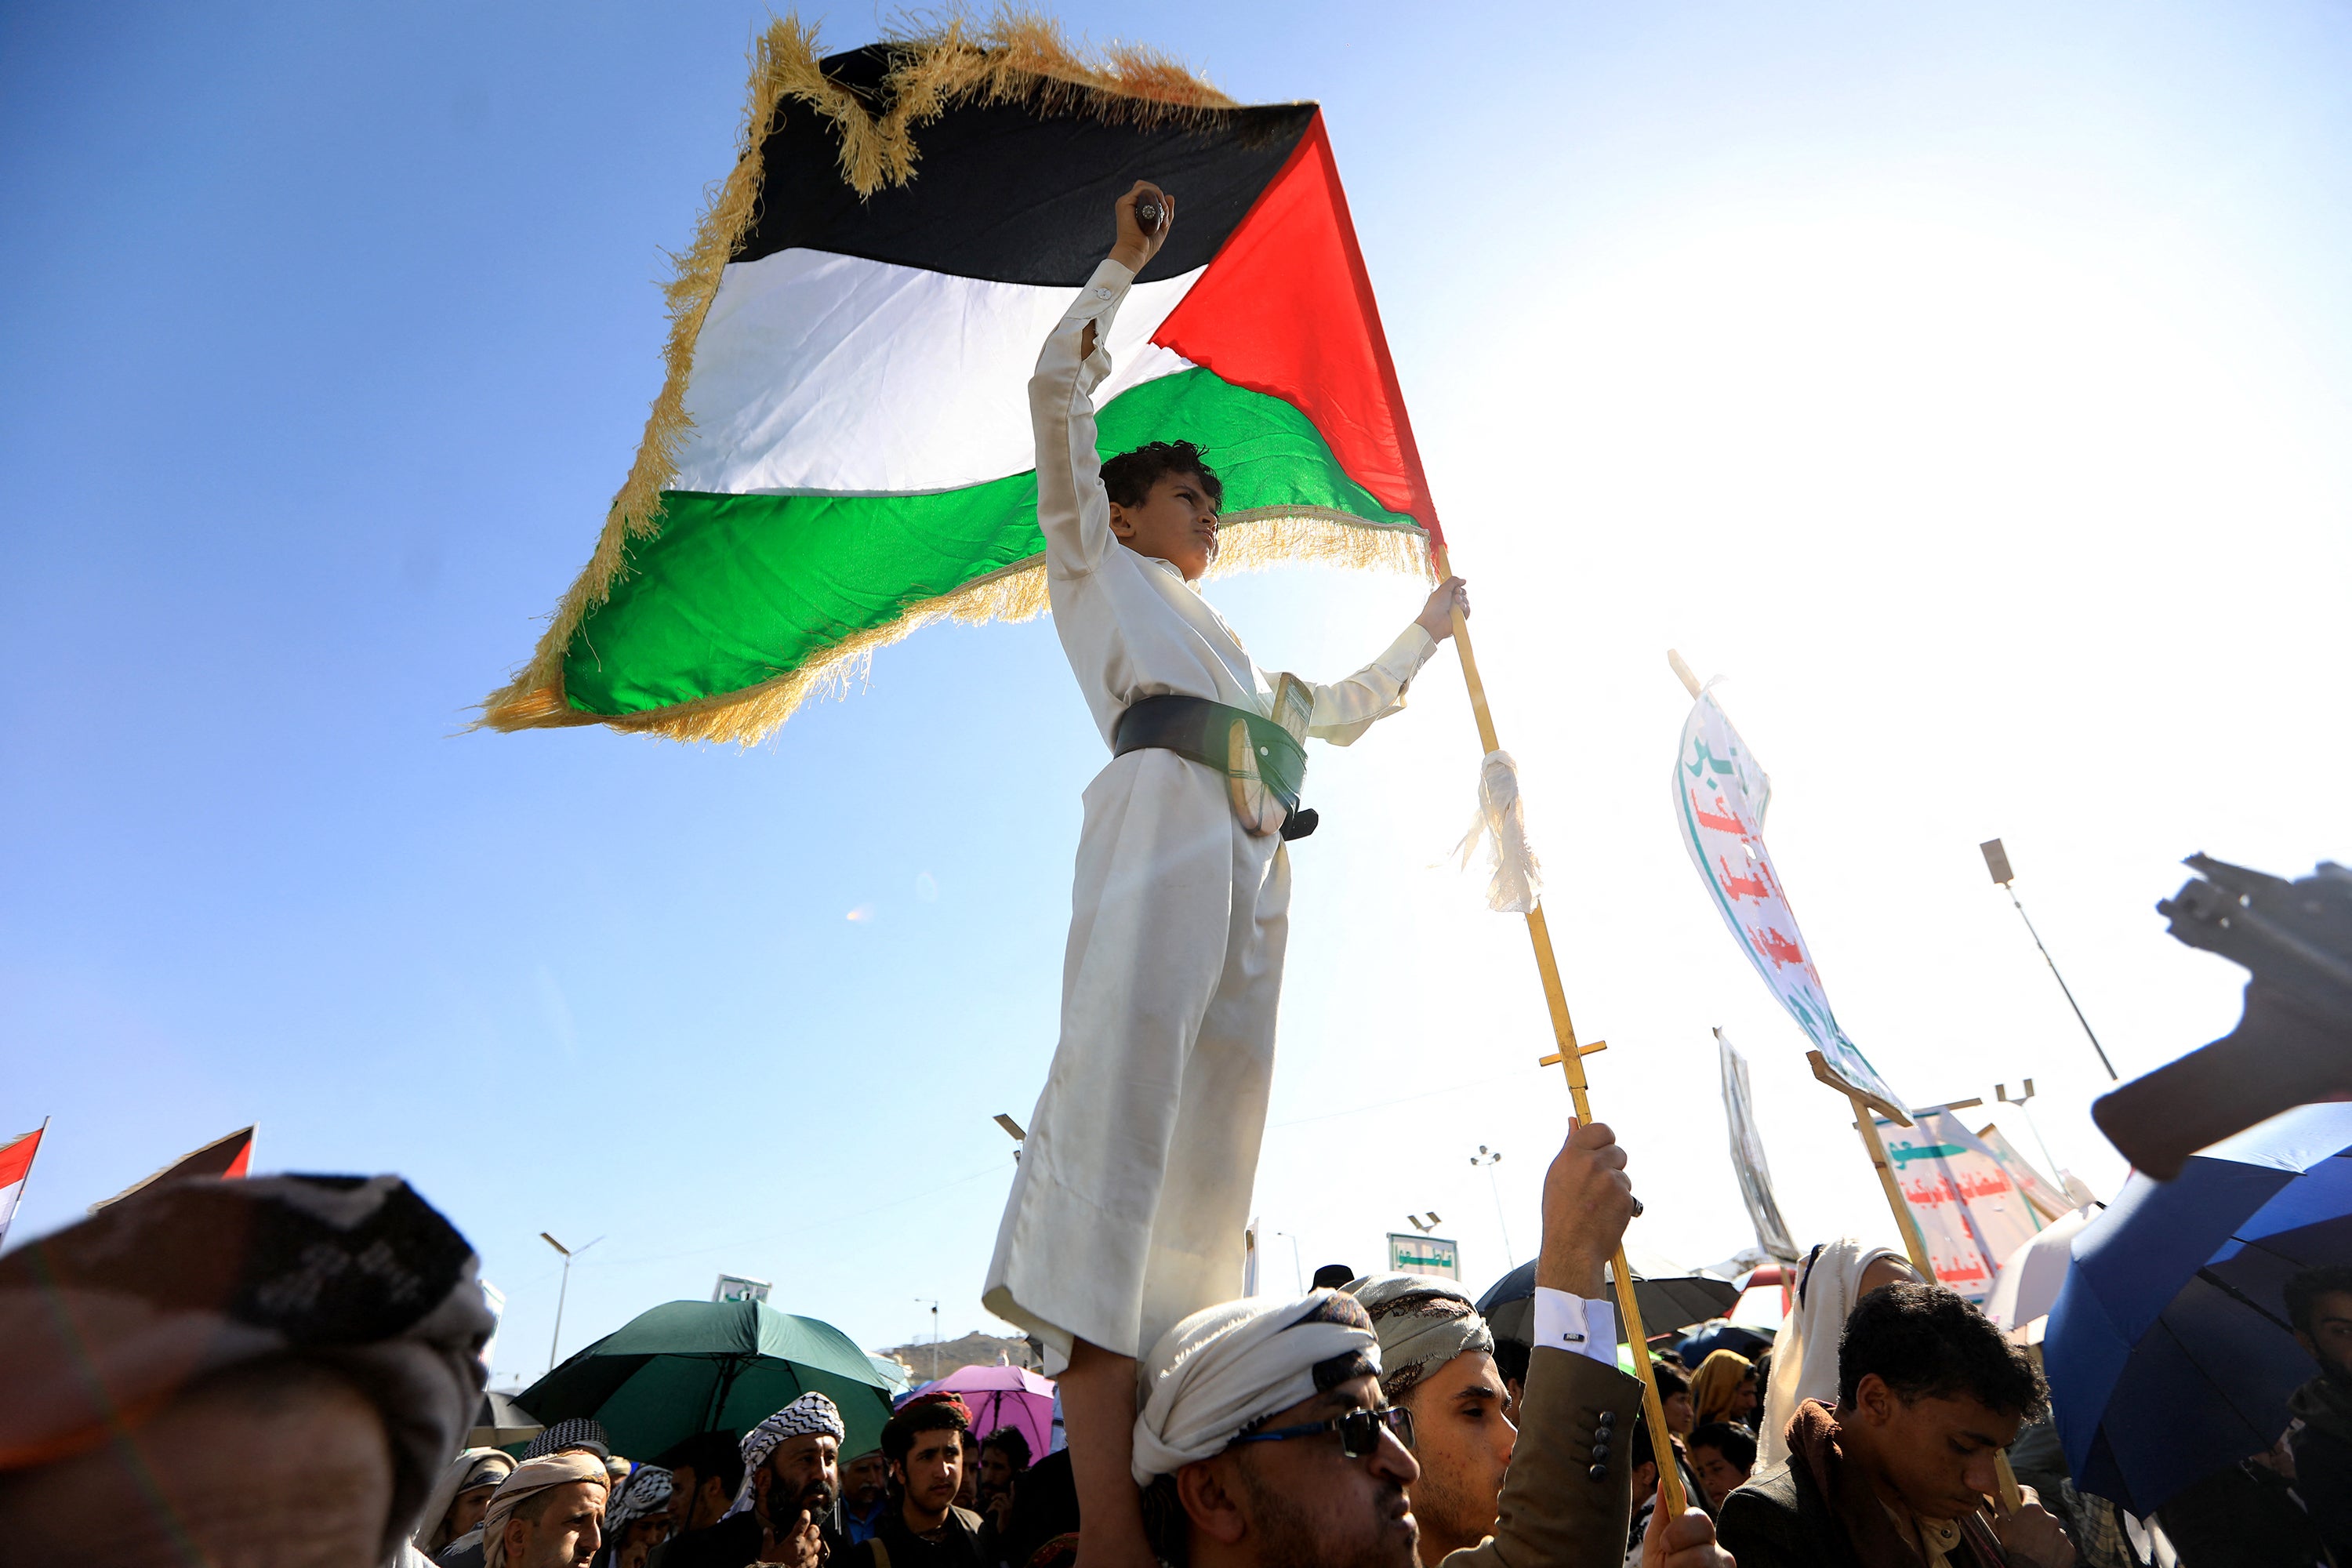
x=1866, y=1110
x=1569, y=1057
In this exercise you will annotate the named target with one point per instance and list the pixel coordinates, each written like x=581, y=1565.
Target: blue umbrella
x=2168, y=1352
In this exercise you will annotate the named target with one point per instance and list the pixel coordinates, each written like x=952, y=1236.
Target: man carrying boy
x=1127, y=1209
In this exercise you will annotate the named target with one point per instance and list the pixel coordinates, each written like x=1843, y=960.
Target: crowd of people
x=280, y=1371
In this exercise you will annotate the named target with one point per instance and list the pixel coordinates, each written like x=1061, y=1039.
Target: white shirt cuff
x=1571, y=1322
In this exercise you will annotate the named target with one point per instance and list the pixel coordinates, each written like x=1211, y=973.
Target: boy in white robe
x=1129, y=1205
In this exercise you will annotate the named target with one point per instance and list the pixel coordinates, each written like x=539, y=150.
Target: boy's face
x=1717, y=1473
x=1176, y=523
x=2330, y=1339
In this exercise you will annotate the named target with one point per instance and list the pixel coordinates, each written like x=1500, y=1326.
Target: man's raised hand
x=1137, y=245
x=1586, y=1203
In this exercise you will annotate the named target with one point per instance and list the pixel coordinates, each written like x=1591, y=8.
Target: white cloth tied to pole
x=1501, y=824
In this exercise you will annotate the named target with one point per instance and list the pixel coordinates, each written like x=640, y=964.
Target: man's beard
x=817, y=1498
x=1295, y=1542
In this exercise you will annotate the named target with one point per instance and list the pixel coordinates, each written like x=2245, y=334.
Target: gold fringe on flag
x=1017, y=56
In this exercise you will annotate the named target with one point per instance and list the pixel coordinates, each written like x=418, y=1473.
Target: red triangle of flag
x=1286, y=309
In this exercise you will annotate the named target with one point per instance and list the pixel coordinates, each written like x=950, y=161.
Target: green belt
x=1196, y=728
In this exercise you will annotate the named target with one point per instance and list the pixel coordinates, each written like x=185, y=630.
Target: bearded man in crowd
x=864, y=1493
x=782, y=1508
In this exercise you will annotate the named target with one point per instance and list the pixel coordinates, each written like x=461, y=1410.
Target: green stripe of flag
x=738, y=589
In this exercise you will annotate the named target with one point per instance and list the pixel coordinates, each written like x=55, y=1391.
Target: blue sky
x=1969, y=389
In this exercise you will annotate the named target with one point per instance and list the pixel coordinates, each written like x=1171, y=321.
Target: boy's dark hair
x=1008, y=1441
x=1127, y=480
x=1925, y=1342
x=1733, y=1443
x=1672, y=1379
x=1639, y=1452
x=1511, y=1359
x=899, y=1432
x=2303, y=1291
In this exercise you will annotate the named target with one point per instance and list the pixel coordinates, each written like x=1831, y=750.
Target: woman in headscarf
x=1805, y=1356
x=455, y=1507
x=1724, y=1389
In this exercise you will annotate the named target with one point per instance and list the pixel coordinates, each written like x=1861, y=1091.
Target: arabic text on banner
x=1720, y=796
x=2045, y=1194
x=1962, y=1197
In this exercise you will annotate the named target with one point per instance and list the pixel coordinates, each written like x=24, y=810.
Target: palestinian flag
x=228, y=1158
x=16, y=1167
x=843, y=450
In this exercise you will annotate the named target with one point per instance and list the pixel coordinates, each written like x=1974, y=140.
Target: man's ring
x=1637, y=1209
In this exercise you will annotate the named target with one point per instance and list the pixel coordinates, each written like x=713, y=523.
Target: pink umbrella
x=1002, y=1396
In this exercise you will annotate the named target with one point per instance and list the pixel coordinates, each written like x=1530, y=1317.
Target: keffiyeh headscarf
x=812, y=1412
x=134, y=1304
x=579, y=1432
x=1423, y=1322
x=1225, y=1368
x=1805, y=1353
x=646, y=1494
x=531, y=1478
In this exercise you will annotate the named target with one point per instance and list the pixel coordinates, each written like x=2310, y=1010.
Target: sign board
x=1748, y=1155
x=1962, y=1196
x=1424, y=1255
x=737, y=1287
x=1721, y=795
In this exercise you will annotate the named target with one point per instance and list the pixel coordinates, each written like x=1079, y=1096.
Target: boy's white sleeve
x=1346, y=709
x=1071, y=507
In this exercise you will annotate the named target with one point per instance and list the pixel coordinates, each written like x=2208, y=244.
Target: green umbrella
x=689, y=1366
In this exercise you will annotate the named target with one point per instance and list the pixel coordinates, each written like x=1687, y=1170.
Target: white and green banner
x=1961, y=1195
x=1721, y=794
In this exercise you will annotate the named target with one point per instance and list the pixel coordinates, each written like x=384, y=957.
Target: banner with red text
x=2048, y=1198
x=1720, y=797
x=1961, y=1195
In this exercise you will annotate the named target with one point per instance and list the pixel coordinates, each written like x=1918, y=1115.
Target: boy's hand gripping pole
x=1569, y=1058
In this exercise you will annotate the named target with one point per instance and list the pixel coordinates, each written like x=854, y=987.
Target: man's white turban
x=1225, y=1368
x=531, y=1478
x=1424, y=1323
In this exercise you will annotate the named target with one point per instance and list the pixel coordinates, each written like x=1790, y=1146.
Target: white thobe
x=1133, y=1190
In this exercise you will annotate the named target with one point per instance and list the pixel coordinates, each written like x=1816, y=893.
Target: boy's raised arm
x=1071, y=507
x=1345, y=709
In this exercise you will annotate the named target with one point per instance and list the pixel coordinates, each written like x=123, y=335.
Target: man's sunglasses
x=1360, y=1430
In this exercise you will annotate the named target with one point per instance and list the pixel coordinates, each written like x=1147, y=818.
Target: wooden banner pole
x=1569, y=1058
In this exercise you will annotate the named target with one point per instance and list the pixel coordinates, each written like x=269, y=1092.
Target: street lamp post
x=562, y=1291
x=1490, y=1159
